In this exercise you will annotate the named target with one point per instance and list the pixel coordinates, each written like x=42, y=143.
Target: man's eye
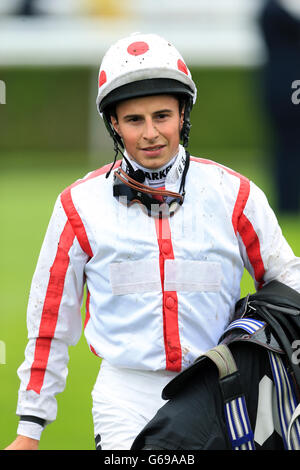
x=134, y=119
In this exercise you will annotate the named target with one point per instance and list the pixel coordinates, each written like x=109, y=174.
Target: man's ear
x=115, y=124
x=181, y=121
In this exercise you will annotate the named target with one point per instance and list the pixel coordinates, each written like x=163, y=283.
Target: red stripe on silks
x=93, y=351
x=252, y=245
x=50, y=309
x=240, y=202
x=170, y=300
x=72, y=214
x=243, y=226
x=87, y=309
x=75, y=220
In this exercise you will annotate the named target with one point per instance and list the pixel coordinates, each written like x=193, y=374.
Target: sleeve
x=53, y=322
x=266, y=254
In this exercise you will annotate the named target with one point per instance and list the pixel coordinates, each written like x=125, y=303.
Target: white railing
x=207, y=32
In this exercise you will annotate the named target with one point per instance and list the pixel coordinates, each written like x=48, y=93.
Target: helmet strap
x=185, y=132
x=118, y=146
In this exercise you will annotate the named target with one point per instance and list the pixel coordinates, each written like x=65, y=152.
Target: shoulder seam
x=219, y=165
x=94, y=174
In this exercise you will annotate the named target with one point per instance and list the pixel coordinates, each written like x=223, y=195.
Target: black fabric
x=277, y=293
x=231, y=387
x=98, y=442
x=194, y=418
x=33, y=419
x=147, y=87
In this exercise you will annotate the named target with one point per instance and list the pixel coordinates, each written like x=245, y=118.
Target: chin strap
x=117, y=150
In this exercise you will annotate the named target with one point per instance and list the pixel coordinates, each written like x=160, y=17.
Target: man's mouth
x=153, y=149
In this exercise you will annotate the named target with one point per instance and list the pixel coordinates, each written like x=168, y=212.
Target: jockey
x=159, y=239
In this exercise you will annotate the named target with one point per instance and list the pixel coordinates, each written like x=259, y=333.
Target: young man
x=160, y=239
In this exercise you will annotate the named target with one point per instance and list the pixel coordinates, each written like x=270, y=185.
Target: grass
x=27, y=197
x=28, y=189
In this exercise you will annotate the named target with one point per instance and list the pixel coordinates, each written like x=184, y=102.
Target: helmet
x=136, y=66
x=142, y=65
x=139, y=57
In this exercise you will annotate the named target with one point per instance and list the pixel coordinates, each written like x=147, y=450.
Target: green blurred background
x=44, y=146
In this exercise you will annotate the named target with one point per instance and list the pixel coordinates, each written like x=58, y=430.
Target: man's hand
x=23, y=443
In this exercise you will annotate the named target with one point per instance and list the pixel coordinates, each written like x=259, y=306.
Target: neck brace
x=160, y=202
x=154, y=178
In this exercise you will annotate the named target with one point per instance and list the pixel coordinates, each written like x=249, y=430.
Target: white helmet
x=136, y=66
x=141, y=65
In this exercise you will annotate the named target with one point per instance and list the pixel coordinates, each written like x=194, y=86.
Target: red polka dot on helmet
x=102, y=78
x=138, y=48
x=182, y=67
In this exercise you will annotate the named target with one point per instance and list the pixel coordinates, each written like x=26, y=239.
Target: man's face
x=150, y=128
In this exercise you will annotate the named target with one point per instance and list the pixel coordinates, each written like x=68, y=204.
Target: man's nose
x=150, y=132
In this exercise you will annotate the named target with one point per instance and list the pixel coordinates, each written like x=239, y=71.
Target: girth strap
x=236, y=414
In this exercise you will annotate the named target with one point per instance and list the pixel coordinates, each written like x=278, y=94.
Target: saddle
x=270, y=318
